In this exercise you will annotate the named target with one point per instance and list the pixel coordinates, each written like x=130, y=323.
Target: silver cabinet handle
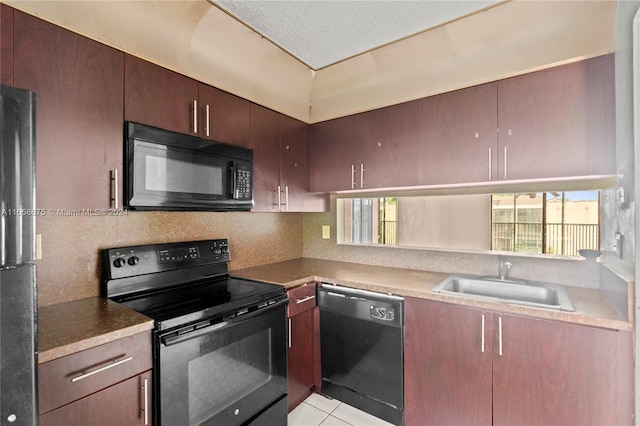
x=114, y=188
x=490, y=165
x=279, y=190
x=207, y=120
x=500, y=336
x=195, y=116
x=361, y=175
x=482, y=333
x=145, y=399
x=353, y=176
x=289, y=332
x=286, y=197
x=305, y=299
x=505, y=161
x=111, y=364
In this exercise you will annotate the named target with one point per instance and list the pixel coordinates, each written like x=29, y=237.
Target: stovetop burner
x=180, y=283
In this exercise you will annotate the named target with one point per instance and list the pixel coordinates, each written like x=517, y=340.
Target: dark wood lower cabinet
x=303, y=359
x=466, y=366
x=106, y=385
x=552, y=373
x=300, y=363
x=447, y=375
x=125, y=403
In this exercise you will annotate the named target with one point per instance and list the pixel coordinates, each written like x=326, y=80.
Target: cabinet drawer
x=301, y=299
x=126, y=403
x=72, y=377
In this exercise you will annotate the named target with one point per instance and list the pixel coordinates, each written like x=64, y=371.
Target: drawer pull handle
x=306, y=299
x=145, y=409
x=101, y=369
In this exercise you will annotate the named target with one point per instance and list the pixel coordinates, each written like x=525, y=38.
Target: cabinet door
x=551, y=373
x=294, y=171
x=79, y=86
x=447, y=364
x=265, y=142
x=159, y=97
x=229, y=116
x=6, y=45
x=389, y=146
x=334, y=155
x=300, y=357
x=558, y=122
x=126, y=403
x=459, y=135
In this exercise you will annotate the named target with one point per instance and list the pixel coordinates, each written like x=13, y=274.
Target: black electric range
x=180, y=283
x=219, y=342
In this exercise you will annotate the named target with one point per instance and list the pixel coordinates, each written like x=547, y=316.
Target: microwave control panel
x=242, y=181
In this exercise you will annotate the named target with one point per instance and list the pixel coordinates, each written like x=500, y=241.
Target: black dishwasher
x=361, y=339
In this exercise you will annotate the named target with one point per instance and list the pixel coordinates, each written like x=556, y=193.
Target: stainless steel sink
x=530, y=293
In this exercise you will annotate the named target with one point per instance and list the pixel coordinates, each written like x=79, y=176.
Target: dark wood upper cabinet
x=558, y=122
x=334, y=155
x=458, y=132
x=6, y=45
x=265, y=142
x=160, y=97
x=554, y=123
x=79, y=86
x=376, y=149
x=281, y=158
x=224, y=117
x=389, y=147
x=294, y=170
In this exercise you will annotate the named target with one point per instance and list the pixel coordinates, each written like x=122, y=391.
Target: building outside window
x=547, y=222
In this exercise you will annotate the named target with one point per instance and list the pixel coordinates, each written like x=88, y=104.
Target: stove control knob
x=119, y=262
x=133, y=260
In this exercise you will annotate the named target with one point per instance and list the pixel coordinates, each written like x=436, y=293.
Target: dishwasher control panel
x=382, y=313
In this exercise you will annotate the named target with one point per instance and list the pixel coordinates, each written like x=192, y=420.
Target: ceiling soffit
x=322, y=33
x=203, y=42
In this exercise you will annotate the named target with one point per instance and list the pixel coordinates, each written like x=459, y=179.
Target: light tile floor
x=318, y=410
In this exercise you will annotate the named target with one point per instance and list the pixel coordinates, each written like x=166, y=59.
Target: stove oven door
x=230, y=372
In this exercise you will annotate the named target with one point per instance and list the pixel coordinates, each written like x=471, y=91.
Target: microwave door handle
x=234, y=181
x=172, y=340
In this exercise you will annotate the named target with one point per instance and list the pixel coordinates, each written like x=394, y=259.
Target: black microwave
x=166, y=170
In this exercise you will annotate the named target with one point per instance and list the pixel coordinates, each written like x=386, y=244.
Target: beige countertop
x=70, y=327
x=592, y=306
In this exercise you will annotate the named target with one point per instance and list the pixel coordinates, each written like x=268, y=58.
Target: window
x=368, y=221
x=546, y=222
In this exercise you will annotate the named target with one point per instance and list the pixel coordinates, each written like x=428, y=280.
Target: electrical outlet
x=326, y=232
x=617, y=244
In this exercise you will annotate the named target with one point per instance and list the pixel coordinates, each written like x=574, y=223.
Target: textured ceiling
x=320, y=33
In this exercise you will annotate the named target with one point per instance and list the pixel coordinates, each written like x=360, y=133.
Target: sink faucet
x=503, y=268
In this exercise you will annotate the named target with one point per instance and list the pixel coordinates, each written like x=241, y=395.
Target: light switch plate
x=326, y=232
x=38, y=247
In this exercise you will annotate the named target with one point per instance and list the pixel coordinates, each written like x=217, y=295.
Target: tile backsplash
x=70, y=265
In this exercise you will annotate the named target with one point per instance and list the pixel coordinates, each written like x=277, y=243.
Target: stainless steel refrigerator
x=18, y=306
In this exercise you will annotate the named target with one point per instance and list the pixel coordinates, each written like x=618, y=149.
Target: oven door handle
x=173, y=339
